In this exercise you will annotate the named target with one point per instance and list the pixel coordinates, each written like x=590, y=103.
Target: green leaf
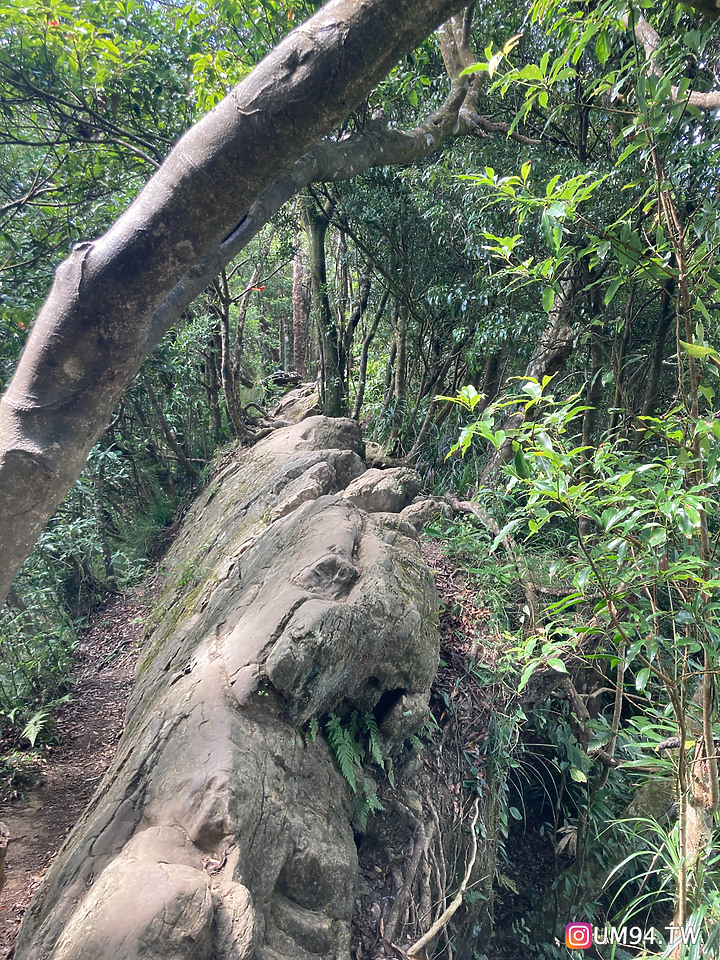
x=699, y=305
x=475, y=68
x=527, y=673
x=699, y=352
x=546, y=228
x=548, y=299
x=522, y=467
x=602, y=47
x=557, y=664
x=531, y=72
x=612, y=290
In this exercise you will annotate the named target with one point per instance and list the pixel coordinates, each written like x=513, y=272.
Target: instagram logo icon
x=578, y=936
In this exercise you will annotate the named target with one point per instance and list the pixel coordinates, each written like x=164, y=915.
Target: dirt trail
x=88, y=730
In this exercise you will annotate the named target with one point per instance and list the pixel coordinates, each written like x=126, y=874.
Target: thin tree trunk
x=98, y=483
x=232, y=403
x=553, y=349
x=593, y=394
x=438, y=380
x=619, y=359
x=348, y=333
x=389, y=379
x=367, y=340
x=400, y=380
x=212, y=390
x=172, y=440
x=332, y=399
x=652, y=387
x=164, y=475
x=242, y=303
x=301, y=311
x=492, y=378
x=593, y=384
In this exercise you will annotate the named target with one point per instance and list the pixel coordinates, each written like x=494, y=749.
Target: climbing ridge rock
x=221, y=831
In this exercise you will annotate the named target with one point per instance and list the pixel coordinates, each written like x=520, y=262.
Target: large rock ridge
x=222, y=830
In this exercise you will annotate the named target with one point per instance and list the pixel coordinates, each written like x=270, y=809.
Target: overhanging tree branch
x=100, y=318
x=650, y=40
x=457, y=56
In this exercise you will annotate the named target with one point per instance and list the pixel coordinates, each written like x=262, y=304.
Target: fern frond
x=376, y=747
x=367, y=803
x=344, y=747
x=312, y=732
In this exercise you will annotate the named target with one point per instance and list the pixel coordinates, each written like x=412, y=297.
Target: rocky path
x=40, y=815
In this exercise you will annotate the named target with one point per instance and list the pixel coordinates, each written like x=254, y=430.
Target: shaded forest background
x=505, y=265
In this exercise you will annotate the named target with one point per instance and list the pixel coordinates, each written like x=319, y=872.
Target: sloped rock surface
x=221, y=831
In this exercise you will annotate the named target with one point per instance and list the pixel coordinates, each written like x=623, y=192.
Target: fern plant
x=347, y=750
x=351, y=743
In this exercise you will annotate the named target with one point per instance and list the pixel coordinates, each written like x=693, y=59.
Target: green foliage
x=367, y=804
x=312, y=731
x=37, y=724
x=642, y=606
x=657, y=856
x=35, y=658
x=347, y=749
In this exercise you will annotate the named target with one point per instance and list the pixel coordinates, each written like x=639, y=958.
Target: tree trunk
x=492, y=378
x=622, y=345
x=553, y=349
x=164, y=475
x=172, y=440
x=436, y=384
x=348, y=333
x=389, y=384
x=400, y=394
x=332, y=397
x=242, y=304
x=652, y=388
x=593, y=395
x=367, y=340
x=212, y=390
x=234, y=408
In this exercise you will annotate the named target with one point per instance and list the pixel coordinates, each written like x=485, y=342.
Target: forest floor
x=41, y=810
x=467, y=642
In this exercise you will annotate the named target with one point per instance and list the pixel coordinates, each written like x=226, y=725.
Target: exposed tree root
x=4, y=839
x=449, y=912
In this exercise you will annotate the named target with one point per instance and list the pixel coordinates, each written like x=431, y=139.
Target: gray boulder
x=384, y=491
